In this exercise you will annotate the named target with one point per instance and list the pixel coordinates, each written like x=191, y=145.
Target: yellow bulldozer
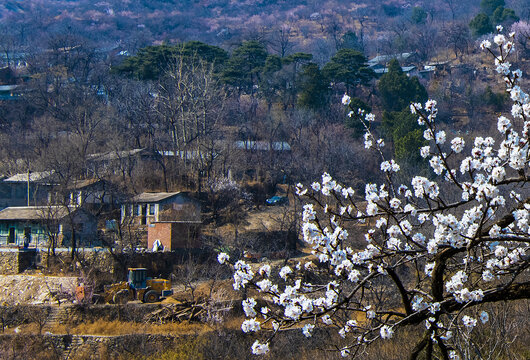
x=137, y=287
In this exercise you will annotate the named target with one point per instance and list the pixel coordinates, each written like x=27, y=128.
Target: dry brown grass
x=113, y=328
x=123, y=328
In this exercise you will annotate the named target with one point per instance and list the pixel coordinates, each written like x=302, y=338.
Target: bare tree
x=189, y=105
x=453, y=6
x=281, y=40
x=458, y=38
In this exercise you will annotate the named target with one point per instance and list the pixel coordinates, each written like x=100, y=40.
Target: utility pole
x=29, y=172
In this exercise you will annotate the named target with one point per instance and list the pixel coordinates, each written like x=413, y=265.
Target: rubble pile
x=36, y=289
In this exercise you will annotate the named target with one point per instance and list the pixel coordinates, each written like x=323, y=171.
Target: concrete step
x=52, y=319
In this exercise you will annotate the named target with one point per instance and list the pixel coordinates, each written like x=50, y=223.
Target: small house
x=32, y=225
x=93, y=193
x=114, y=162
x=407, y=70
x=14, y=59
x=254, y=146
x=407, y=58
x=26, y=189
x=149, y=207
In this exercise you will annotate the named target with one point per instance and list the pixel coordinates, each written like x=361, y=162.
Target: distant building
x=116, y=162
x=14, y=59
x=32, y=225
x=10, y=92
x=407, y=58
x=438, y=68
x=93, y=192
x=408, y=70
x=250, y=145
x=15, y=189
x=147, y=208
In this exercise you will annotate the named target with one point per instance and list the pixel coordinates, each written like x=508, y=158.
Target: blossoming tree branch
x=437, y=249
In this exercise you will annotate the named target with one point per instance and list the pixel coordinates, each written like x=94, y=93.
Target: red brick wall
x=159, y=231
x=174, y=235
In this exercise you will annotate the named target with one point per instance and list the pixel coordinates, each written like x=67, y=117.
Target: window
x=27, y=234
x=151, y=209
x=11, y=238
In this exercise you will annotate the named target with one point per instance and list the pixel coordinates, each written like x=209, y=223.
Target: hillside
x=138, y=23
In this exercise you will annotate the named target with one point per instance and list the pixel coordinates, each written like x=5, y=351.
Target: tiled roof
x=147, y=197
x=33, y=212
x=33, y=176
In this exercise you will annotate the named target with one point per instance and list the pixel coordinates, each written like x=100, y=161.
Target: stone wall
x=79, y=314
x=16, y=315
x=98, y=258
x=15, y=261
x=223, y=344
x=51, y=346
x=112, y=268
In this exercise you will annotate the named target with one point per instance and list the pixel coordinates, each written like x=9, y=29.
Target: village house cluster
x=35, y=211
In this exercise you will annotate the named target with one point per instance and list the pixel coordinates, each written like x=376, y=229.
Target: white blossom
x=222, y=258
x=440, y=137
x=260, y=349
x=265, y=270
x=326, y=319
x=429, y=267
x=485, y=44
x=410, y=225
x=308, y=329
x=428, y=135
x=250, y=325
x=503, y=124
x=248, y=307
x=469, y=322
x=386, y=332
x=499, y=39
x=457, y=144
x=453, y=355
x=389, y=166
x=425, y=151
x=300, y=190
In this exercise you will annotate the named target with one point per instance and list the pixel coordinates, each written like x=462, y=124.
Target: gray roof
x=33, y=212
x=113, y=155
x=148, y=197
x=33, y=176
x=80, y=184
x=386, y=58
x=8, y=87
x=262, y=145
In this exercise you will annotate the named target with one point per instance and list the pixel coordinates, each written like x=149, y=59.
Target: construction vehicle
x=137, y=287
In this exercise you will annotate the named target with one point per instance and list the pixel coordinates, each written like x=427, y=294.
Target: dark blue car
x=276, y=200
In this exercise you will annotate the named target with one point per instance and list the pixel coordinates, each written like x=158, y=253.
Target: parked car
x=277, y=200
